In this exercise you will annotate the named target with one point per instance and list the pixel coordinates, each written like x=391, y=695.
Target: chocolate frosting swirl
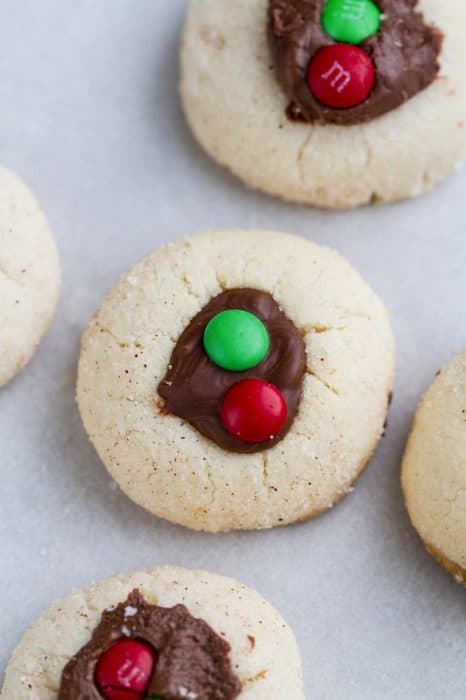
x=193, y=660
x=194, y=387
x=405, y=52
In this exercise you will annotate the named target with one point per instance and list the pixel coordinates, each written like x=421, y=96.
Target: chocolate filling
x=194, y=387
x=405, y=52
x=193, y=661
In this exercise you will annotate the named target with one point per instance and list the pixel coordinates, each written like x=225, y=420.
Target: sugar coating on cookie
x=434, y=469
x=262, y=649
x=237, y=107
x=164, y=462
x=29, y=275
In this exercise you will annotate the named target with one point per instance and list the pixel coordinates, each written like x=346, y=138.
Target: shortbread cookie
x=237, y=379
x=167, y=634
x=434, y=469
x=29, y=275
x=335, y=103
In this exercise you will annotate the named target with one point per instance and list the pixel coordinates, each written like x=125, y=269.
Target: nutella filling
x=193, y=661
x=194, y=387
x=405, y=53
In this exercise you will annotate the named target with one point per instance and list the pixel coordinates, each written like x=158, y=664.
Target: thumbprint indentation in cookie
x=237, y=371
x=349, y=61
x=145, y=652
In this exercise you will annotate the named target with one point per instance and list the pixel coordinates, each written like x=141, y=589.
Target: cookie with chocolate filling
x=237, y=380
x=29, y=275
x=335, y=103
x=162, y=634
x=434, y=469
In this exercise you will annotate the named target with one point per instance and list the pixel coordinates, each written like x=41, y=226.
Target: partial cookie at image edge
x=433, y=473
x=264, y=651
x=236, y=110
x=29, y=275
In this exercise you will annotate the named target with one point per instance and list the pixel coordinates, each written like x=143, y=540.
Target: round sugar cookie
x=29, y=275
x=434, y=469
x=162, y=414
x=305, y=116
x=165, y=632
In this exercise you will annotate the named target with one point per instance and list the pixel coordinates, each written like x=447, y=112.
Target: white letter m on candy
x=338, y=75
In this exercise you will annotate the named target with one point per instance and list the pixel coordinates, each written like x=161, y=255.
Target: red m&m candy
x=125, y=670
x=254, y=411
x=341, y=76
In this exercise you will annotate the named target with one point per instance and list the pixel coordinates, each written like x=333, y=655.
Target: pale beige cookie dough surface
x=434, y=469
x=29, y=275
x=162, y=462
x=235, y=108
x=264, y=652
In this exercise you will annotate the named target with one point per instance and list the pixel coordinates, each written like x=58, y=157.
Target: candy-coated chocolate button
x=236, y=340
x=351, y=21
x=341, y=76
x=254, y=411
x=125, y=670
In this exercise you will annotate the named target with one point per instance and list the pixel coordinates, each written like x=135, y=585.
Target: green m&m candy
x=236, y=340
x=351, y=21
